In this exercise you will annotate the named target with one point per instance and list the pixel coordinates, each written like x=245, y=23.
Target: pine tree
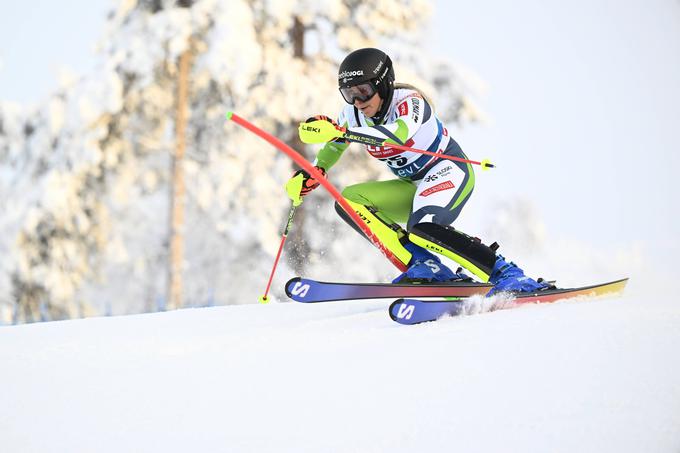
x=89, y=171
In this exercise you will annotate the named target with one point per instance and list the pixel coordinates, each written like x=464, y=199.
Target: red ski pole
x=264, y=299
x=290, y=152
x=367, y=140
x=485, y=164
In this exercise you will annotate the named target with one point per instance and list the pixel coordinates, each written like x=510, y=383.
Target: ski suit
x=427, y=189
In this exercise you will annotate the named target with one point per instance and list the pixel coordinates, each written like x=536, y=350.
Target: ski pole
x=302, y=162
x=485, y=164
x=264, y=299
x=371, y=141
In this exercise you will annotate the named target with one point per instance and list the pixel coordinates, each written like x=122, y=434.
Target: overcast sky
x=583, y=99
x=584, y=104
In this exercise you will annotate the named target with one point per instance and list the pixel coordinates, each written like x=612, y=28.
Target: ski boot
x=425, y=267
x=507, y=277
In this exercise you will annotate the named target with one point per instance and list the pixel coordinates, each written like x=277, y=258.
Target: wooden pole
x=178, y=192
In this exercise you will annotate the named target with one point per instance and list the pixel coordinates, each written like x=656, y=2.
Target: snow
x=84, y=192
x=587, y=376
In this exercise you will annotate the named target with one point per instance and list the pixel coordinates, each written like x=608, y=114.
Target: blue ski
x=415, y=311
x=306, y=290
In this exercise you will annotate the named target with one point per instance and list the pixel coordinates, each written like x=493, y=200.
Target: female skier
x=428, y=192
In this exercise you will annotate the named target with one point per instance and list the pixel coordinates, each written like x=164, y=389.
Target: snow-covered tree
x=85, y=178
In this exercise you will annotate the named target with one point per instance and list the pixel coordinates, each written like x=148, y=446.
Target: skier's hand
x=320, y=129
x=301, y=184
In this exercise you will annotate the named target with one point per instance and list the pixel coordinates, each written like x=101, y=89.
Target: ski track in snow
x=587, y=376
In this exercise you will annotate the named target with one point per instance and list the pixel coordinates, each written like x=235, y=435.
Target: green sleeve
x=329, y=154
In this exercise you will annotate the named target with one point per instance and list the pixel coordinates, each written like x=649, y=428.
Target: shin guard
x=467, y=251
x=390, y=234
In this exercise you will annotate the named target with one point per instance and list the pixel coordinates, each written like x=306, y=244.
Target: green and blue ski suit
x=427, y=189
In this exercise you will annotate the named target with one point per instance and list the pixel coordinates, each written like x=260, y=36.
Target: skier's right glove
x=321, y=129
x=301, y=184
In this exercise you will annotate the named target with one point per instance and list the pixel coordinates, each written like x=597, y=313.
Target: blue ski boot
x=425, y=267
x=507, y=277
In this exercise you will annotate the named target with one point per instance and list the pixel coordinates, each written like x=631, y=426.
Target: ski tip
x=229, y=115
x=394, y=308
x=289, y=284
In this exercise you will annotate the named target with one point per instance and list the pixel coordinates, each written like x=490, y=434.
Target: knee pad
x=389, y=233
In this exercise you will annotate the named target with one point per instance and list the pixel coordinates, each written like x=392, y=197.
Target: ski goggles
x=362, y=92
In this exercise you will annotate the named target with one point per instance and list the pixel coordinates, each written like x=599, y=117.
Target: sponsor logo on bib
x=446, y=185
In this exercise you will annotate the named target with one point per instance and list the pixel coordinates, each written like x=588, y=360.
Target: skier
x=428, y=192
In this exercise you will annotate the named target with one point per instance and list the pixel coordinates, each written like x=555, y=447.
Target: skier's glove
x=301, y=184
x=321, y=129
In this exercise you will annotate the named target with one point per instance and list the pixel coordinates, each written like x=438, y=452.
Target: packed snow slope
x=579, y=376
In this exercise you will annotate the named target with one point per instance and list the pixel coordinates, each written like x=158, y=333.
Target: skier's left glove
x=301, y=184
x=321, y=129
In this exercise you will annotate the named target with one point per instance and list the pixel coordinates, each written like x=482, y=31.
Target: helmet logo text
x=346, y=74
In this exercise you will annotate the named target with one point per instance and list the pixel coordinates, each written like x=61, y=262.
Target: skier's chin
x=367, y=111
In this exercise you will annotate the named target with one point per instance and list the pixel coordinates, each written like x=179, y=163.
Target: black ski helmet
x=369, y=65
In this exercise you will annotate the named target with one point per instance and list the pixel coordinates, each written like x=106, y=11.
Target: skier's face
x=370, y=107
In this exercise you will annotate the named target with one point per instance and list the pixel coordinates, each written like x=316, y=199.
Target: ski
x=414, y=311
x=306, y=290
